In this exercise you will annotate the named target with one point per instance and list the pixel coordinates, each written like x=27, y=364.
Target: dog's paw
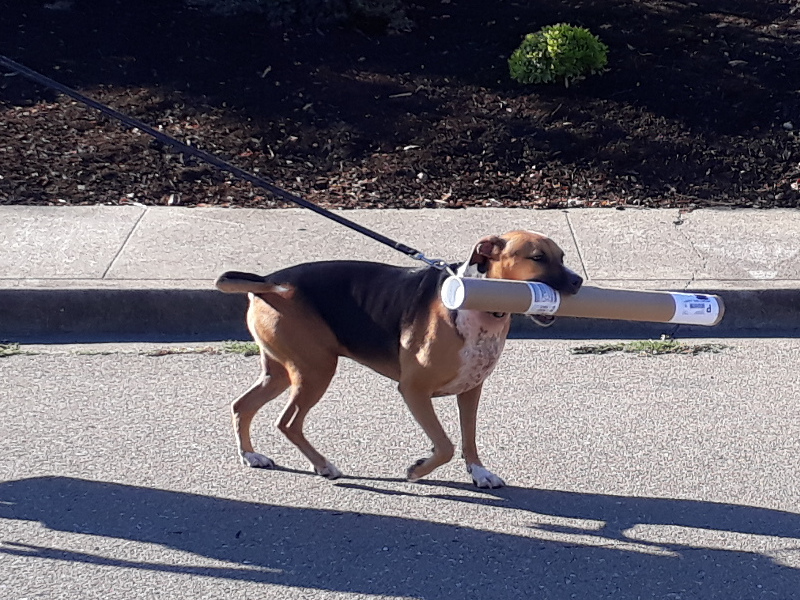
x=413, y=472
x=329, y=471
x=484, y=478
x=259, y=461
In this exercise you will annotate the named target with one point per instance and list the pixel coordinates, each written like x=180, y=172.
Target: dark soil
x=700, y=106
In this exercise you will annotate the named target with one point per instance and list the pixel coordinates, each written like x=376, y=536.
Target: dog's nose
x=571, y=282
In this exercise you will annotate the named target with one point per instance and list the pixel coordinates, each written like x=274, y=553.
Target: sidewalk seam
x=577, y=246
x=124, y=243
x=703, y=259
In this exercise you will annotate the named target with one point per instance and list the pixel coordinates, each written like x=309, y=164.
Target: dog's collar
x=468, y=270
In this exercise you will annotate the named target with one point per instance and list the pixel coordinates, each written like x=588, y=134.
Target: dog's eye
x=538, y=258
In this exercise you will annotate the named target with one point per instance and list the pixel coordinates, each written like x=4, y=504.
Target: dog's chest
x=484, y=338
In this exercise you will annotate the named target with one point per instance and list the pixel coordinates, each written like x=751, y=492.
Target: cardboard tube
x=530, y=297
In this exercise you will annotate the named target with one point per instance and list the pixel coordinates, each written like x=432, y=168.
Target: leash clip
x=436, y=263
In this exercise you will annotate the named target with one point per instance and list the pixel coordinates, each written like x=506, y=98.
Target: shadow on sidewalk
x=373, y=554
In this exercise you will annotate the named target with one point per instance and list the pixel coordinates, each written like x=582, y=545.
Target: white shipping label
x=695, y=309
x=544, y=299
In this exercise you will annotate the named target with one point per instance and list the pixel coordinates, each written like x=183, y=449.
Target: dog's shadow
x=362, y=553
x=617, y=514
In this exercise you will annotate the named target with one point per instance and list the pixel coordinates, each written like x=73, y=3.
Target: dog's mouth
x=569, y=284
x=542, y=320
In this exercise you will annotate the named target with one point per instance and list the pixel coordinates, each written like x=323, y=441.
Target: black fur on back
x=366, y=304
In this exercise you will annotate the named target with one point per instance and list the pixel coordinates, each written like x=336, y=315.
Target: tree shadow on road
x=374, y=554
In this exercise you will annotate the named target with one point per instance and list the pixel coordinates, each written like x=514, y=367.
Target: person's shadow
x=372, y=554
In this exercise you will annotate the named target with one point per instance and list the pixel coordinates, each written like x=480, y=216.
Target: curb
x=67, y=316
x=61, y=316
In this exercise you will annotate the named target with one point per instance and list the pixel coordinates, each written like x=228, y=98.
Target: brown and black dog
x=392, y=320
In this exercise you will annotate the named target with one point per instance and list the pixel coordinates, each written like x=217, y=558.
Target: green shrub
x=557, y=53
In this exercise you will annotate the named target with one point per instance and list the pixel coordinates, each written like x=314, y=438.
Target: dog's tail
x=237, y=282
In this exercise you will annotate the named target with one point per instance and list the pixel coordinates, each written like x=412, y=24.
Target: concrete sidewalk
x=93, y=274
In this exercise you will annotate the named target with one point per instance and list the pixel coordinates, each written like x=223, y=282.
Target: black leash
x=217, y=162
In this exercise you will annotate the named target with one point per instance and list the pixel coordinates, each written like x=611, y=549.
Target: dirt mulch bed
x=700, y=107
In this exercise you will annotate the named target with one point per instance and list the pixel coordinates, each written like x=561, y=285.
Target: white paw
x=329, y=471
x=259, y=461
x=484, y=478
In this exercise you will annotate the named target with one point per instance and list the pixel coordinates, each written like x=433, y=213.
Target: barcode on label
x=543, y=294
x=697, y=306
x=544, y=299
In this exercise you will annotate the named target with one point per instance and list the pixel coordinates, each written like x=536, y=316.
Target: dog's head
x=525, y=256
x=522, y=255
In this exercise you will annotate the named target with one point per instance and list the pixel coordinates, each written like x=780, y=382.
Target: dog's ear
x=488, y=248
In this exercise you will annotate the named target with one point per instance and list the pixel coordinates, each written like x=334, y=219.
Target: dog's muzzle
x=569, y=284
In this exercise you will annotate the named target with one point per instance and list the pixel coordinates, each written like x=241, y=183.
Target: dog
x=392, y=320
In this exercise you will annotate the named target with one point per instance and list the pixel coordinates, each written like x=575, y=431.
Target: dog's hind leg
x=272, y=382
x=308, y=387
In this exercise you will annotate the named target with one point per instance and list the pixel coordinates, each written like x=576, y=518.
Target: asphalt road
x=674, y=477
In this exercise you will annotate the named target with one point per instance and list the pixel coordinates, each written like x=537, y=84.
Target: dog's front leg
x=468, y=415
x=421, y=406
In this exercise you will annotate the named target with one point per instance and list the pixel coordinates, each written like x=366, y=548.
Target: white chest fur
x=484, y=338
